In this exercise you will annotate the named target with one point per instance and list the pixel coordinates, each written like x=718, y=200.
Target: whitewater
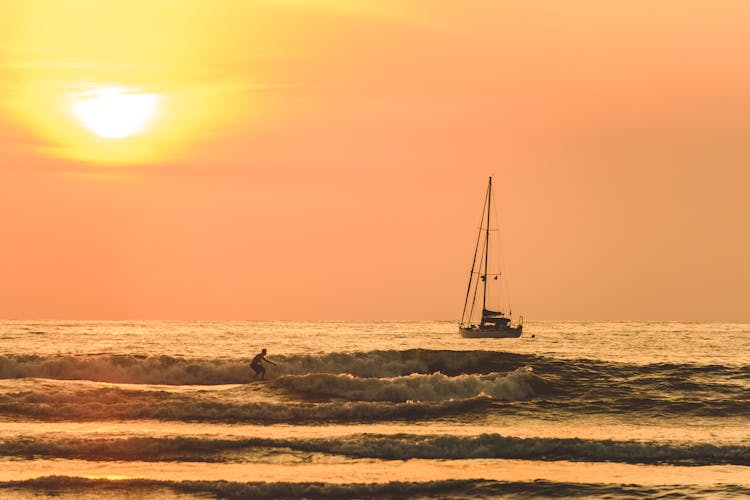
x=168, y=409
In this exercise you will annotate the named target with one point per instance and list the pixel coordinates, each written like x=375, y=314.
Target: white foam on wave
x=518, y=385
x=446, y=488
x=169, y=370
x=126, y=369
x=388, y=447
x=86, y=401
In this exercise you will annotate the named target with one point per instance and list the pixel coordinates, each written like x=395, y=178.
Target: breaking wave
x=416, y=375
x=56, y=485
x=136, y=369
x=114, y=403
x=128, y=369
x=385, y=447
x=579, y=375
x=519, y=385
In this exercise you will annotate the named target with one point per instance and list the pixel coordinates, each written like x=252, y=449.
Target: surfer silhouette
x=256, y=365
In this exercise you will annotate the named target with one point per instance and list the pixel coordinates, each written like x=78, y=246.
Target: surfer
x=255, y=364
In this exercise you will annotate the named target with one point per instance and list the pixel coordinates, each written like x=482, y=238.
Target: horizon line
x=361, y=320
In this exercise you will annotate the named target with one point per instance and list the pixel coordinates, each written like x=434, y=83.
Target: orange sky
x=327, y=160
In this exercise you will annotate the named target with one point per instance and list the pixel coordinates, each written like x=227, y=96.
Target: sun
x=115, y=113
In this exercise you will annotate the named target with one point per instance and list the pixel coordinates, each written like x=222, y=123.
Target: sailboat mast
x=473, y=264
x=487, y=246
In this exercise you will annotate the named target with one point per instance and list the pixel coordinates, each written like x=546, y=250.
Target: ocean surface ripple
x=373, y=410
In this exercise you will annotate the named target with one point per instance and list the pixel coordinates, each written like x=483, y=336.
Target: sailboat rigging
x=491, y=322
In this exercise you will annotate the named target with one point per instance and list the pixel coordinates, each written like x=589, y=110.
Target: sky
x=328, y=159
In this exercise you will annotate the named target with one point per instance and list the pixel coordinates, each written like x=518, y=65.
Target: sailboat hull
x=491, y=332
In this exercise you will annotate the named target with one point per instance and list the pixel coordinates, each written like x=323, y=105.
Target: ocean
x=168, y=409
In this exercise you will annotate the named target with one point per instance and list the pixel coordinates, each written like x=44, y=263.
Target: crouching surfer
x=256, y=365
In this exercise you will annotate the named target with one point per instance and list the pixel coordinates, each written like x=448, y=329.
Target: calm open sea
x=373, y=409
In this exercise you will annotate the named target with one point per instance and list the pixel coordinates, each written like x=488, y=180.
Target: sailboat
x=485, y=284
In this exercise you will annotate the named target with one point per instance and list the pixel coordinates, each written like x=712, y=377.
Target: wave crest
x=459, y=488
x=167, y=370
x=380, y=446
x=515, y=386
x=113, y=403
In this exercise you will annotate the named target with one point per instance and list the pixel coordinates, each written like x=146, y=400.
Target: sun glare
x=115, y=113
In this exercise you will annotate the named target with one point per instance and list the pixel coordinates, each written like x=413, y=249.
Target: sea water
x=164, y=409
